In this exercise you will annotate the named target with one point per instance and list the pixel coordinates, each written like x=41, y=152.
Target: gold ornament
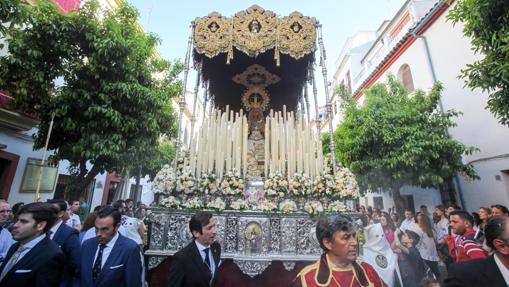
x=212, y=34
x=255, y=31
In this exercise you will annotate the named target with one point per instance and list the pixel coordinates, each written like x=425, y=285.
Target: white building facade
x=420, y=46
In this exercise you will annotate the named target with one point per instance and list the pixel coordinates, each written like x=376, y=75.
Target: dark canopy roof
x=225, y=91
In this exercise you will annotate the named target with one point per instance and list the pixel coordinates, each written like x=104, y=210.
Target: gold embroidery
x=255, y=31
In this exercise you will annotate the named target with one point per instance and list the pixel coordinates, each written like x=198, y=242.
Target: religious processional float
x=256, y=159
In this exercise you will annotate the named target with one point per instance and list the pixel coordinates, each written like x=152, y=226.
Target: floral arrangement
x=275, y=185
x=193, y=203
x=239, y=204
x=300, y=184
x=336, y=206
x=217, y=204
x=164, y=181
x=313, y=207
x=345, y=184
x=287, y=206
x=266, y=205
x=232, y=183
x=208, y=184
x=186, y=182
x=171, y=201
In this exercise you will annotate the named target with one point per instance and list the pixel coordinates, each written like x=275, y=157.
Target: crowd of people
x=46, y=244
x=432, y=248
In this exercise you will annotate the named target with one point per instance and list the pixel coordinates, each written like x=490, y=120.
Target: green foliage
x=487, y=24
x=115, y=100
x=325, y=143
x=395, y=139
x=12, y=12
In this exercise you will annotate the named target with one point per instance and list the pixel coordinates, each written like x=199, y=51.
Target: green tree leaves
x=395, y=139
x=487, y=24
x=113, y=102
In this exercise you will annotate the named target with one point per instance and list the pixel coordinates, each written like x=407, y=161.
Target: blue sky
x=340, y=19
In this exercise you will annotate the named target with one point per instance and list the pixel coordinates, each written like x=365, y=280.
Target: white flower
x=313, y=207
x=266, y=205
x=217, y=203
x=287, y=206
x=171, y=201
x=193, y=203
x=336, y=206
x=239, y=204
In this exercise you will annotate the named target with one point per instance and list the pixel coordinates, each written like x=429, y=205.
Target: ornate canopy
x=255, y=31
x=225, y=47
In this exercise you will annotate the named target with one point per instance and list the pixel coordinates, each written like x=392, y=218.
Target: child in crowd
x=410, y=262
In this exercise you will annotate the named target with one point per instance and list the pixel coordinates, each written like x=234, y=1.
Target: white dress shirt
x=73, y=221
x=54, y=229
x=407, y=224
x=503, y=269
x=106, y=250
x=6, y=241
x=211, y=257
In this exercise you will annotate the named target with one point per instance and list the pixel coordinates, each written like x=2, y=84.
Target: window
x=405, y=76
x=378, y=202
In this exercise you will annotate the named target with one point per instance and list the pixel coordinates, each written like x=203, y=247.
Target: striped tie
x=12, y=261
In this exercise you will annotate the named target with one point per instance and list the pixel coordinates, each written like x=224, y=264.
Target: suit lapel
x=216, y=253
x=27, y=261
x=197, y=259
x=58, y=234
x=492, y=273
x=9, y=254
x=115, y=251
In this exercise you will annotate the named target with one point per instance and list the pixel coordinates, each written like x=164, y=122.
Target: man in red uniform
x=462, y=245
x=337, y=266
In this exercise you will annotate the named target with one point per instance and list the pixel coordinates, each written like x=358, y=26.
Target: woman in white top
x=426, y=245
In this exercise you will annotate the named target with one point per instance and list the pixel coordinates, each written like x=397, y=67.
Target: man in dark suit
x=491, y=271
x=196, y=264
x=110, y=259
x=35, y=260
x=68, y=240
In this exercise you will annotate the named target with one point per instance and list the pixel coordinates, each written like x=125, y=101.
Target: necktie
x=207, y=262
x=12, y=261
x=98, y=262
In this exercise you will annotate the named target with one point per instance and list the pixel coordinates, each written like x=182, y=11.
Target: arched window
x=405, y=76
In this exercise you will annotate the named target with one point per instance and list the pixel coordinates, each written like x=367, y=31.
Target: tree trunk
x=399, y=204
x=81, y=181
x=137, y=193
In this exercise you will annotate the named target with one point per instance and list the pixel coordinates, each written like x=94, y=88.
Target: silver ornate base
x=252, y=239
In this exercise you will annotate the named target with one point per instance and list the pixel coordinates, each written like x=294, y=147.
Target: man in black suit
x=491, y=271
x=196, y=264
x=35, y=260
x=68, y=239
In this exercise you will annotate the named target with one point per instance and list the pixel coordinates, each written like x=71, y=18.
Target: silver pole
x=182, y=102
x=205, y=99
x=302, y=111
x=315, y=96
x=327, y=99
x=193, y=118
x=306, y=98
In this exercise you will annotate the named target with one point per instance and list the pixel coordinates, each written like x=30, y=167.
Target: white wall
x=21, y=143
x=450, y=52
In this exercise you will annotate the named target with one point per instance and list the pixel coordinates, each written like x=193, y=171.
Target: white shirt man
x=74, y=220
x=409, y=221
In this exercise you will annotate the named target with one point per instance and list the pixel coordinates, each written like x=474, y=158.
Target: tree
x=115, y=100
x=487, y=24
x=12, y=12
x=395, y=139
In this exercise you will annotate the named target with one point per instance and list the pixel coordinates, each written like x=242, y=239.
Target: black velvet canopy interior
x=225, y=91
